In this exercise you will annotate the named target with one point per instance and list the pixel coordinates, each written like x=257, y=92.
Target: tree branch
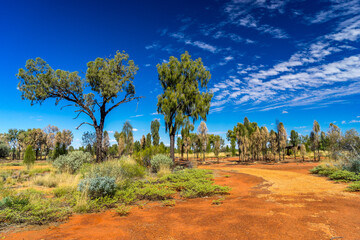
x=125, y=100
x=84, y=123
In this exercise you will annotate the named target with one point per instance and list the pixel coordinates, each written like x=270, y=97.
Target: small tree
x=155, y=125
x=202, y=133
x=29, y=157
x=181, y=98
x=294, y=140
x=302, y=151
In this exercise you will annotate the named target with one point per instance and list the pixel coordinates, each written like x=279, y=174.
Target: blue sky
x=295, y=61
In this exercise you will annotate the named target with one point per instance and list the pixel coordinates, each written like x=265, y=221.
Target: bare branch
x=84, y=123
x=69, y=105
x=125, y=100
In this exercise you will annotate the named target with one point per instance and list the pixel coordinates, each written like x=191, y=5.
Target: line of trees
x=47, y=142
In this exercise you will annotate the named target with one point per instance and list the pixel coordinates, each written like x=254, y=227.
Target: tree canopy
x=98, y=91
x=182, y=98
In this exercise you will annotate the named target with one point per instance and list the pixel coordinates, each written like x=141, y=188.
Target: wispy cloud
x=136, y=116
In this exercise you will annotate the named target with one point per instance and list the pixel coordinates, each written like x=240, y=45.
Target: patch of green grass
x=343, y=175
x=354, y=187
x=123, y=210
x=218, y=201
x=169, y=203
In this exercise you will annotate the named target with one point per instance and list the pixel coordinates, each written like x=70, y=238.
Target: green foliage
x=352, y=164
x=182, y=99
x=323, y=170
x=29, y=156
x=31, y=207
x=344, y=175
x=354, y=187
x=123, y=210
x=218, y=201
x=169, y=203
x=98, y=186
x=160, y=160
x=72, y=162
x=4, y=150
x=155, y=125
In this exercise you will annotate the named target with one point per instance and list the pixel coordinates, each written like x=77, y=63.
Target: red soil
x=251, y=211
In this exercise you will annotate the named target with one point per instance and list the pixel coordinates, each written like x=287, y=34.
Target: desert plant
x=123, y=210
x=72, y=162
x=160, y=160
x=354, y=187
x=98, y=186
x=344, y=175
x=29, y=157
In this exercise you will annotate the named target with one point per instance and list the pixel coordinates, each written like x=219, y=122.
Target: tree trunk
x=172, y=144
x=99, y=137
x=239, y=153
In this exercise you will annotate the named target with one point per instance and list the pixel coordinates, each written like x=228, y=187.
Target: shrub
x=123, y=210
x=354, y=187
x=154, y=192
x=168, y=203
x=98, y=186
x=352, y=164
x=29, y=157
x=72, y=162
x=344, y=175
x=323, y=170
x=160, y=160
x=4, y=150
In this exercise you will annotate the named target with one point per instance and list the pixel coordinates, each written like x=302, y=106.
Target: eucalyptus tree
x=186, y=138
x=155, y=125
x=12, y=137
x=294, y=140
x=230, y=136
x=143, y=142
x=273, y=139
x=185, y=94
x=50, y=132
x=264, y=140
x=106, y=143
x=217, y=146
x=316, y=130
x=89, y=141
x=202, y=133
x=94, y=95
x=302, y=151
x=256, y=143
x=127, y=133
x=241, y=135
x=148, y=140
x=282, y=137
x=180, y=146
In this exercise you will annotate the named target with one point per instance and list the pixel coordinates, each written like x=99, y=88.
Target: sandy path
x=266, y=202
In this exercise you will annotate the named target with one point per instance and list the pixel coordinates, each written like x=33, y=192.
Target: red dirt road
x=266, y=202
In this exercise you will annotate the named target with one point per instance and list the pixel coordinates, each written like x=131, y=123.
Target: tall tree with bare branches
x=98, y=92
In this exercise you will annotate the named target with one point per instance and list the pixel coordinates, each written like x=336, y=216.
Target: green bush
x=323, y=170
x=29, y=156
x=98, y=186
x=354, y=187
x=72, y=162
x=4, y=150
x=160, y=160
x=344, y=175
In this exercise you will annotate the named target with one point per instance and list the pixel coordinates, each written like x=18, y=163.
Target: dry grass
x=52, y=180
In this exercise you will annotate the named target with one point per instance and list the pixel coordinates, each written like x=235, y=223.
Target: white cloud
x=284, y=112
x=136, y=116
x=354, y=121
x=343, y=122
x=135, y=129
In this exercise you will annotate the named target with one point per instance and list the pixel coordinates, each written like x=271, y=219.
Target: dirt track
x=266, y=202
